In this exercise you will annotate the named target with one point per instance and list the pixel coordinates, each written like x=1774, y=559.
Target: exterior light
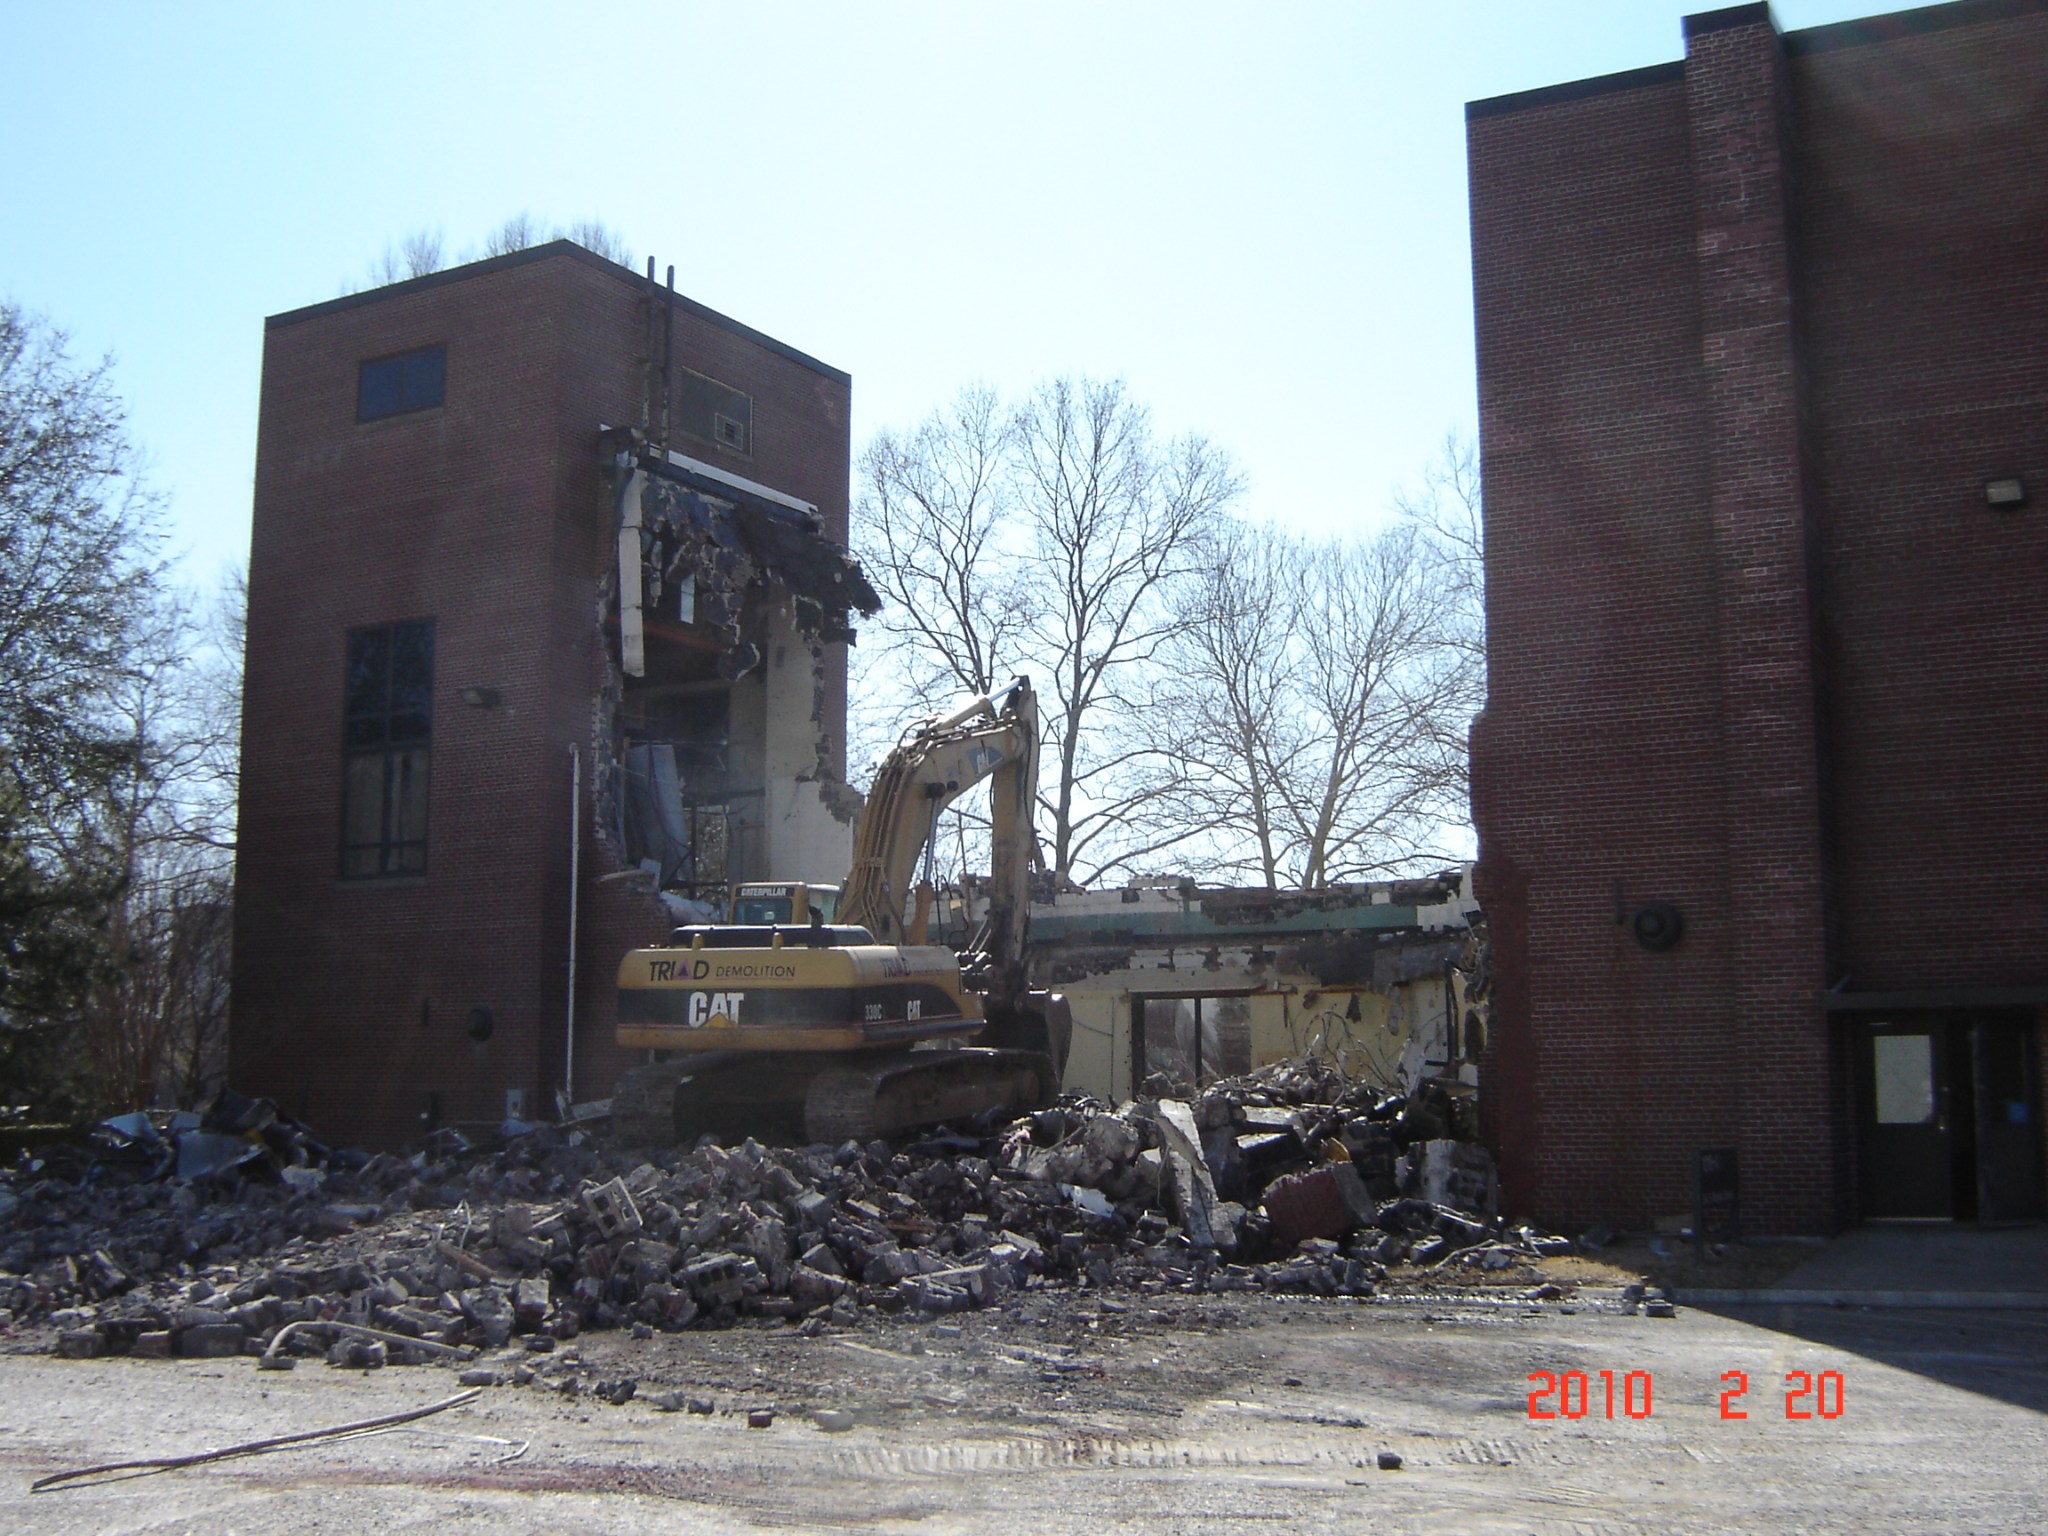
x=481, y=698
x=2006, y=491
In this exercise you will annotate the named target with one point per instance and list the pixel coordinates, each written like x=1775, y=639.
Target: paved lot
x=1952, y=1259
x=1175, y=1415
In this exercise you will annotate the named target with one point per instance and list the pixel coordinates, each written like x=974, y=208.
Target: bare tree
x=1118, y=524
x=515, y=234
x=937, y=531
x=1382, y=683
x=153, y=1025
x=1321, y=694
x=601, y=239
x=420, y=251
x=81, y=597
x=1223, y=703
x=418, y=254
x=118, y=713
x=207, y=718
x=1053, y=538
x=423, y=251
x=1447, y=510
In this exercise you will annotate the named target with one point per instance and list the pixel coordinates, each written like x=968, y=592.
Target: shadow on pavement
x=1934, y=1256
x=2002, y=1355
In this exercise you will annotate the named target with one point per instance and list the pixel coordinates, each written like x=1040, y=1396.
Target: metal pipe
x=668, y=353
x=575, y=867
x=647, y=361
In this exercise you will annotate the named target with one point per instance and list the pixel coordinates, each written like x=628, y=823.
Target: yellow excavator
x=857, y=1027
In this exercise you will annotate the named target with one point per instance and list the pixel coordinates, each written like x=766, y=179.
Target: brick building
x=526, y=529
x=1763, y=377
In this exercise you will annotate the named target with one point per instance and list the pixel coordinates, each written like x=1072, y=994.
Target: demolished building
x=548, y=604
x=1176, y=985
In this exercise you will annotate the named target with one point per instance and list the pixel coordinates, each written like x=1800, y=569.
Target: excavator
x=850, y=1024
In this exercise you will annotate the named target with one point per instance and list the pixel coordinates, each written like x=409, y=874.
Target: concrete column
x=805, y=809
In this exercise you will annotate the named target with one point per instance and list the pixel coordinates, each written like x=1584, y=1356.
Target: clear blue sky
x=1253, y=213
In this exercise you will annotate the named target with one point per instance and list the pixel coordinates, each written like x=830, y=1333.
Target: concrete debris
x=1291, y=1180
x=1194, y=1191
x=1452, y=1173
x=610, y=1208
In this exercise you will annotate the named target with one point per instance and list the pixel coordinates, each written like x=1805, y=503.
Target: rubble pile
x=1292, y=1179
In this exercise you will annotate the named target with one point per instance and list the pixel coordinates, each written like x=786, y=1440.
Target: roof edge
x=1756, y=14
x=1575, y=90
x=1810, y=40
x=1903, y=24
x=546, y=252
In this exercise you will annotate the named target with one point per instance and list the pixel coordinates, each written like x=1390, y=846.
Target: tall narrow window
x=411, y=381
x=386, y=732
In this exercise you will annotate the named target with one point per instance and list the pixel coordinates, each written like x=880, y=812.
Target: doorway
x=1947, y=1117
x=1190, y=1041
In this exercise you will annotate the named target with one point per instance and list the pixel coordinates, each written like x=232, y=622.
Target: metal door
x=2008, y=1148
x=1907, y=1140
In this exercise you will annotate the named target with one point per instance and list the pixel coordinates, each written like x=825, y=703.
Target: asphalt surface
x=1174, y=1415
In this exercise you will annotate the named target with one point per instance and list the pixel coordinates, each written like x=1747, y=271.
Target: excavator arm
x=992, y=737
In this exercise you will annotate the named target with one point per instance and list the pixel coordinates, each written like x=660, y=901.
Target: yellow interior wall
x=1284, y=1024
x=1093, y=1065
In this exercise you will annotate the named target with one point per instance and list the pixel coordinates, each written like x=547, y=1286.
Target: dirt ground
x=1678, y=1267
x=1066, y=1412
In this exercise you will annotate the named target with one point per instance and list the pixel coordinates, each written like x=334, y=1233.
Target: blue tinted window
x=391, y=386
x=387, y=691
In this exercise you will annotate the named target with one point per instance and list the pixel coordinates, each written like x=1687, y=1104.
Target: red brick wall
x=1923, y=167
x=487, y=516
x=1597, y=768
x=1776, y=951
x=1752, y=332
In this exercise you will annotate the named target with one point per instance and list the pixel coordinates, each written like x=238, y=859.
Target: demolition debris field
x=1284, y=1299
x=1291, y=1181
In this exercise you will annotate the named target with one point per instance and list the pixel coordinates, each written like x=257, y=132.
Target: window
x=1190, y=1041
x=391, y=386
x=386, y=729
x=707, y=408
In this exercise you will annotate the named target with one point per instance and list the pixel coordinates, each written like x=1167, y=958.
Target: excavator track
x=864, y=1098
x=644, y=1103
x=662, y=1103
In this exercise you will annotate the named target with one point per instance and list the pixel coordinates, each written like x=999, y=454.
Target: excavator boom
x=993, y=737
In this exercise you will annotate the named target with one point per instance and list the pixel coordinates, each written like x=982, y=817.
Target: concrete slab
x=1930, y=1257
x=1935, y=1265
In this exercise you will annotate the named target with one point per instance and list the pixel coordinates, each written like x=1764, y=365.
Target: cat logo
x=719, y=1010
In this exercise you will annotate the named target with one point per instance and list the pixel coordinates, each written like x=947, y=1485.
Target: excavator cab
x=775, y=901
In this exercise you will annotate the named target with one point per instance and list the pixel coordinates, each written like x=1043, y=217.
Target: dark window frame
x=402, y=383
x=706, y=407
x=386, y=749
x=1141, y=1067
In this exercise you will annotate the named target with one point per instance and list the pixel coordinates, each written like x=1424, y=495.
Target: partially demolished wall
x=1388, y=983
x=721, y=758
